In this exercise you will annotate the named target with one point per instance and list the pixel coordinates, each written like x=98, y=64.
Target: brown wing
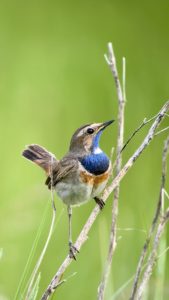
x=62, y=170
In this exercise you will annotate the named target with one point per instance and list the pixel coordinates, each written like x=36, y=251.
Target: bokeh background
x=53, y=78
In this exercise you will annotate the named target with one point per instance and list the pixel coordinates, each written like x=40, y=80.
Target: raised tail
x=40, y=156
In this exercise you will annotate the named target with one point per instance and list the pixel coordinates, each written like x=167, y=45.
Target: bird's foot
x=100, y=202
x=72, y=251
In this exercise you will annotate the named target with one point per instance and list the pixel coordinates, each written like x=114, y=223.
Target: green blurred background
x=53, y=78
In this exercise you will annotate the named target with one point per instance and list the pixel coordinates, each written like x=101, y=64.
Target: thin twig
x=84, y=232
x=145, y=122
x=154, y=222
x=35, y=271
x=162, y=130
x=121, y=104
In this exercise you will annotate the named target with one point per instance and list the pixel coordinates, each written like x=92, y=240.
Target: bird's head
x=86, y=138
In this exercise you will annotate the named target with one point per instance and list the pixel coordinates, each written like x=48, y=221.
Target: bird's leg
x=72, y=248
x=100, y=202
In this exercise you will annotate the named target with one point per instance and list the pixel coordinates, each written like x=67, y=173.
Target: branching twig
x=121, y=104
x=154, y=222
x=84, y=233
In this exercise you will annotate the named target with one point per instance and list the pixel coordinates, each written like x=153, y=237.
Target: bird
x=81, y=175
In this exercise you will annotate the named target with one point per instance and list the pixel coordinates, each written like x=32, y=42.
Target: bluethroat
x=81, y=174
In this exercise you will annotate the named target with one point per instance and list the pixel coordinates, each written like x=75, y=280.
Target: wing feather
x=63, y=169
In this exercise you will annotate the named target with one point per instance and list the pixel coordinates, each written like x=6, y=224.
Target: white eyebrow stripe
x=84, y=129
x=81, y=132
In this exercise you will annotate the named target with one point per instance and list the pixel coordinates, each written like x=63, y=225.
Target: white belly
x=98, y=189
x=74, y=194
x=82, y=188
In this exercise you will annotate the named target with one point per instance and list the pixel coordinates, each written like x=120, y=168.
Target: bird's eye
x=90, y=130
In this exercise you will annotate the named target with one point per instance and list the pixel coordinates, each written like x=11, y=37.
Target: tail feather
x=40, y=156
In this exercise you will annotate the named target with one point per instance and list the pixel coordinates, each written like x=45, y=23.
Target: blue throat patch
x=95, y=163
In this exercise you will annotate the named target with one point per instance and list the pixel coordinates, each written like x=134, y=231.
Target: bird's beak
x=105, y=124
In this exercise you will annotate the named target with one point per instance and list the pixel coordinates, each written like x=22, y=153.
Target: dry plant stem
x=153, y=256
x=121, y=104
x=164, y=219
x=35, y=271
x=84, y=233
x=154, y=222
